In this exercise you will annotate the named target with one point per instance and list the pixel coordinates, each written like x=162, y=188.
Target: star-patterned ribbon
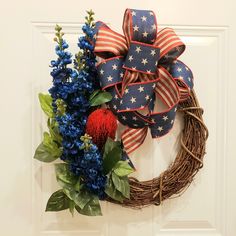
x=139, y=69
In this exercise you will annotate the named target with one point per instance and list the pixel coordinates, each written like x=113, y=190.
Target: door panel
x=206, y=208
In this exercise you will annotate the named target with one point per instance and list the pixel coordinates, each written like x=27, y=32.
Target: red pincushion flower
x=101, y=124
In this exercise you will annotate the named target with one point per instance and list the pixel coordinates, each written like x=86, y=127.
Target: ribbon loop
x=140, y=25
x=183, y=76
x=171, y=46
x=109, y=43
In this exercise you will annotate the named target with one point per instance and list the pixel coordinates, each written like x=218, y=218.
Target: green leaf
x=111, y=191
x=111, y=158
x=71, y=207
x=58, y=201
x=46, y=104
x=101, y=98
x=62, y=184
x=48, y=142
x=92, y=208
x=64, y=174
x=48, y=150
x=54, y=130
x=69, y=191
x=121, y=184
x=78, y=185
x=82, y=198
x=94, y=94
x=122, y=168
x=51, y=145
x=43, y=154
x=109, y=145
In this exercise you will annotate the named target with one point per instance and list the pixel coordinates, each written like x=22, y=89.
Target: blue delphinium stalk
x=72, y=87
x=90, y=167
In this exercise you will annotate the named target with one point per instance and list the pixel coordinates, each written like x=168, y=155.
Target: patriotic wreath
x=88, y=100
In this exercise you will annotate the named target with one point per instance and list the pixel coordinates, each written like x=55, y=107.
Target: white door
x=207, y=208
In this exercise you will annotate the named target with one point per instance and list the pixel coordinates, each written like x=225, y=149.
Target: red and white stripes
x=108, y=40
x=133, y=138
x=127, y=24
x=184, y=90
x=129, y=77
x=167, y=40
x=147, y=77
x=167, y=88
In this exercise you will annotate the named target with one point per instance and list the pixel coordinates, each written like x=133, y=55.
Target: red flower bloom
x=101, y=124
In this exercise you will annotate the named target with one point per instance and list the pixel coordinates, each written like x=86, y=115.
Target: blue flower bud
x=64, y=45
x=60, y=53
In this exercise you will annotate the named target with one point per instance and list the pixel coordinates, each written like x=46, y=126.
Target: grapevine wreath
x=88, y=100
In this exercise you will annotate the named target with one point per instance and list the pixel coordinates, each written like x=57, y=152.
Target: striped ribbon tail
x=133, y=138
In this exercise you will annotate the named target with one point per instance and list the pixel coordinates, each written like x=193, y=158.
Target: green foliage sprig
x=117, y=170
x=50, y=148
x=59, y=36
x=82, y=54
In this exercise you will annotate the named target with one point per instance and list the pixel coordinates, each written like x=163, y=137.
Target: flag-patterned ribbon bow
x=140, y=70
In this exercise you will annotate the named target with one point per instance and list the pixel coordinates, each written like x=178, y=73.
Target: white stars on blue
x=163, y=122
x=142, y=20
x=141, y=89
x=132, y=119
x=142, y=58
x=136, y=96
x=179, y=70
x=110, y=72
